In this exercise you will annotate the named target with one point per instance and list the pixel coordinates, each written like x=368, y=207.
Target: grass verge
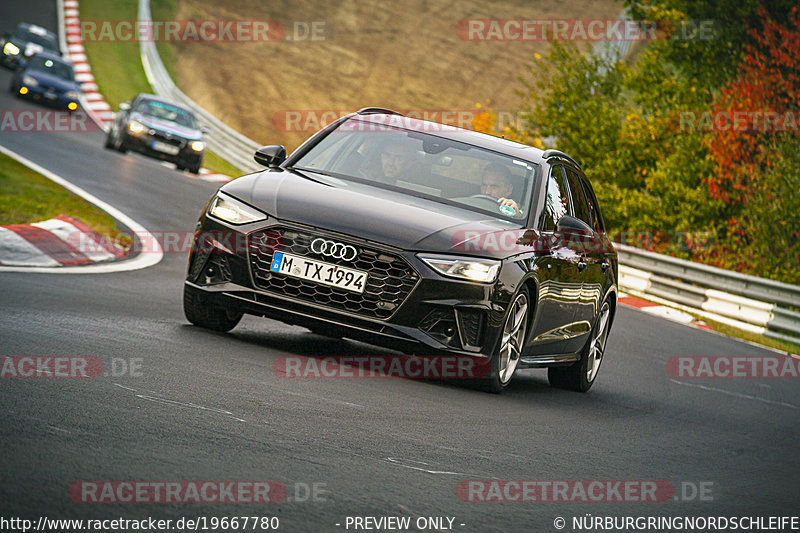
x=730, y=331
x=27, y=196
x=117, y=67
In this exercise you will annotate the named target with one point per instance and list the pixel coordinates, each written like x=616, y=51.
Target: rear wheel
x=505, y=359
x=581, y=375
x=199, y=313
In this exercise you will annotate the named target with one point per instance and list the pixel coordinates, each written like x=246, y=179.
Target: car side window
x=594, y=210
x=556, y=203
x=579, y=198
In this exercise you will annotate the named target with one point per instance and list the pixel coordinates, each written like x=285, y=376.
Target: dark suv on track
x=418, y=236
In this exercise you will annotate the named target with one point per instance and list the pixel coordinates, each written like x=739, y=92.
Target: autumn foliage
x=767, y=93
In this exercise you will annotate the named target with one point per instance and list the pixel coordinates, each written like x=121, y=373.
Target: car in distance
x=158, y=128
x=48, y=79
x=417, y=236
x=27, y=40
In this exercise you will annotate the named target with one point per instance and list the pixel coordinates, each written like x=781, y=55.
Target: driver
x=496, y=182
x=396, y=163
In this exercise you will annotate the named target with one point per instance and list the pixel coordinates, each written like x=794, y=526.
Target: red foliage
x=766, y=96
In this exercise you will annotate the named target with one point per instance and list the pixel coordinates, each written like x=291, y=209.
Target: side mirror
x=568, y=223
x=124, y=106
x=270, y=156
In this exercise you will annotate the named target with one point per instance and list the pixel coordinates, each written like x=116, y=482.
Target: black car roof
x=476, y=138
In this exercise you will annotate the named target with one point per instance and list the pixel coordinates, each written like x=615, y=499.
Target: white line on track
x=736, y=394
x=142, y=260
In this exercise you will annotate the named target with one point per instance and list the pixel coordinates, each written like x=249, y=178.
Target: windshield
x=165, y=111
x=41, y=38
x=54, y=68
x=426, y=165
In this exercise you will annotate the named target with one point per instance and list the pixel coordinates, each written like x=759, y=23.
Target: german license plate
x=319, y=272
x=164, y=147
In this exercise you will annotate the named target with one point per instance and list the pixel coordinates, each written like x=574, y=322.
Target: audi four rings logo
x=335, y=250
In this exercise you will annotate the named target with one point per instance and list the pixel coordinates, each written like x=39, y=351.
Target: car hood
x=167, y=126
x=370, y=213
x=48, y=80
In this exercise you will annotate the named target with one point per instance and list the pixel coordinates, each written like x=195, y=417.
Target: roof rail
x=555, y=153
x=377, y=111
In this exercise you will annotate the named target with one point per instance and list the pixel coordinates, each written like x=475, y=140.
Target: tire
x=194, y=169
x=200, y=314
x=504, y=360
x=580, y=376
x=108, y=144
x=119, y=143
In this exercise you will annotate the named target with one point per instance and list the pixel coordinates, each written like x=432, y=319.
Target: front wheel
x=199, y=313
x=580, y=375
x=504, y=361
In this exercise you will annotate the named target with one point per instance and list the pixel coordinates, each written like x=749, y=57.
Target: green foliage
x=711, y=59
x=626, y=122
x=772, y=220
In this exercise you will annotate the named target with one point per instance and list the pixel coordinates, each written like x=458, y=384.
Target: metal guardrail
x=223, y=140
x=755, y=304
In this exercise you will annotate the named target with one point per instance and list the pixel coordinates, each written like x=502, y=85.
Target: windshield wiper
x=302, y=171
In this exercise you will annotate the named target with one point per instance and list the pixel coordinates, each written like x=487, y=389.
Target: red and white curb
x=60, y=241
x=662, y=311
x=138, y=261
x=92, y=100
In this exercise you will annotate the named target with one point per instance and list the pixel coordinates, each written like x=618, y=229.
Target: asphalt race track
x=208, y=406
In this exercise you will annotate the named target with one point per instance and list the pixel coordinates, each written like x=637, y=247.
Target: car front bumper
x=405, y=305
x=143, y=144
x=48, y=97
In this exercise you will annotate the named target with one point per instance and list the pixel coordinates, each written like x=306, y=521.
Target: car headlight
x=226, y=208
x=136, y=127
x=197, y=146
x=470, y=268
x=30, y=81
x=10, y=49
x=72, y=95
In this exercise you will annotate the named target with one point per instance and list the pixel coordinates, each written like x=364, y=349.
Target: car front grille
x=167, y=138
x=390, y=278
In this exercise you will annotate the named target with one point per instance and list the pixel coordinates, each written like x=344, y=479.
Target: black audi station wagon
x=417, y=236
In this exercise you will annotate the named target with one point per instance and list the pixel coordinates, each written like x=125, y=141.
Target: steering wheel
x=485, y=197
